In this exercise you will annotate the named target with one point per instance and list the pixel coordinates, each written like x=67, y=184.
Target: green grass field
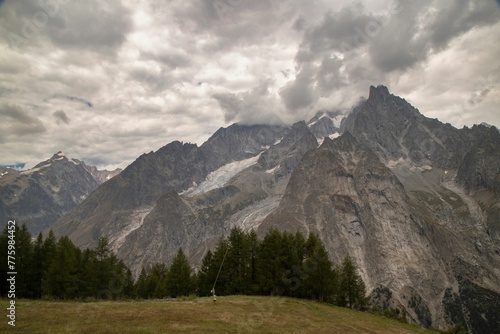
x=233, y=314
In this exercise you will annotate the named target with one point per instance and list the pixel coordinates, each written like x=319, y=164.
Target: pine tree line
x=281, y=264
x=161, y=282
x=58, y=269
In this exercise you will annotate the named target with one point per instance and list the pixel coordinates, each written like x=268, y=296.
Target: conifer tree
x=4, y=284
x=103, y=275
x=88, y=278
x=289, y=262
x=158, y=280
x=238, y=263
x=37, y=268
x=218, y=263
x=49, y=249
x=61, y=277
x=321, y=281
x=129, y=282
x=24, y=262
x=253, y=244
x=179, y=280
x=142, y=285
x=206, y=275
x=352, y=292
x=270, y=270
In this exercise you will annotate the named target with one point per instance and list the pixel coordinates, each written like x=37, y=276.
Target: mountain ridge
x=37, y=197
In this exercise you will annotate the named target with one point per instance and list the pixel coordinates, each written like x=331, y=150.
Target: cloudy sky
x=108, y=81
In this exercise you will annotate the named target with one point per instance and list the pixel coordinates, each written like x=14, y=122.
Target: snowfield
x=220, y=177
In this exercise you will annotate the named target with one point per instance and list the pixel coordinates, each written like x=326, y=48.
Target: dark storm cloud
x=403, y=35
x=153, y=81
x=17, y=121
x=170, y=58
x=233, y=23
x=329, y=76
x=256, y=106
x=299, y=93
x=91, y=25
x=340, y=31
x=230, y=104
x=418, y=31
x=195, y=65
x=61, y=116
x=478, y=97
x=461, y=16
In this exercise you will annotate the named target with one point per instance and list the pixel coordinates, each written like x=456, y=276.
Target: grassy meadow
x=232, y=314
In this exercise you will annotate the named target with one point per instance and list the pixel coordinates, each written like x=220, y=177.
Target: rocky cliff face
x=39, y=196
x=412, y=201
x=119, y=207
x=239, y=193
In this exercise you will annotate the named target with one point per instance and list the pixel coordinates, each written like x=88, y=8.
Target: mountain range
x=39, y=196
x=415, y=202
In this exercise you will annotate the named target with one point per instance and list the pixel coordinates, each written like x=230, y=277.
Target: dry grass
x=234, y=314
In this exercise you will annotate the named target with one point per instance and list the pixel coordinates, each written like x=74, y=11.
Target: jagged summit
x=326, y=124
x=379, y=91
x=345, y=139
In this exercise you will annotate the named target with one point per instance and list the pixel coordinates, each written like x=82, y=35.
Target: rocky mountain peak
x=346, y=142
x=39, y=196
x=300, y=127
x=380, y=91
x=289, y=150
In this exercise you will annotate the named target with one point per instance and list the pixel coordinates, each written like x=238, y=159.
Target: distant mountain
x=119, y=206
x=41, y=195
x=326, y=123
x=415, y=202
x=18, y=166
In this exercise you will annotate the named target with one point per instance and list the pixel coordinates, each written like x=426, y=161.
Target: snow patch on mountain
x=337, y=120
x=252, y=216
x=332, y=136
x=272, y=170
x=221, y=176
x=33, y=170
x=136, y=220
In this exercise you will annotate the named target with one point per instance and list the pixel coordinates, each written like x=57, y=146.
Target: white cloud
x=106, y=82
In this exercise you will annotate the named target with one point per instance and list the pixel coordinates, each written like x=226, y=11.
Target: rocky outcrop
x=343, y=193
x=286, y=154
